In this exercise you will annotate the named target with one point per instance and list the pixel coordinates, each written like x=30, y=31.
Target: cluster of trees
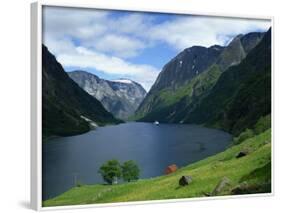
x=112, y=170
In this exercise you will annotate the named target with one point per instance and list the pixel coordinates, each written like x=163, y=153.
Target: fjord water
x=69, y=160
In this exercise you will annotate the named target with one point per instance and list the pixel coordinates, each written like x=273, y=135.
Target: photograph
x=153, y=106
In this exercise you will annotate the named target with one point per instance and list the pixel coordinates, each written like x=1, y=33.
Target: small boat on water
x=156, y=122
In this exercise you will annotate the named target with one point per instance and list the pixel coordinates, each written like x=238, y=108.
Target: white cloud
x=87, y=59
x=133, y=23
x=123, y=46
x=185, y=32
x=95, y=29
x=60, y=45
x=127, y=35
x=88, y=38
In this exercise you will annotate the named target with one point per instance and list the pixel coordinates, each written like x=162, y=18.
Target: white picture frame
x=36, y=100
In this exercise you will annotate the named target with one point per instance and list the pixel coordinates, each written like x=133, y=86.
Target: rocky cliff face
x=120, y=97
x=237, y=49
x=189, y=77
x=67, y=109
x=241, y=95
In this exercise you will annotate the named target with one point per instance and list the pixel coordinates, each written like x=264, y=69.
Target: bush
x=79, y=184
x=248, y=133
x=130, y=171
x=263, y=124
x=111, y=171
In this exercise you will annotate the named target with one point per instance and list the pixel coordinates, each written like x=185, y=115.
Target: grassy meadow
x=246, y=175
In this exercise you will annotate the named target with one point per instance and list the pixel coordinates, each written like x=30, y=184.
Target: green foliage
x=263, y=124
x=248, y=133
x=111, y=171
x=254, y=169
x=130, y=171
x=263, y=172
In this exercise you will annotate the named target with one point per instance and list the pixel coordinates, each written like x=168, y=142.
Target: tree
x=111, y=171
x=130, y=171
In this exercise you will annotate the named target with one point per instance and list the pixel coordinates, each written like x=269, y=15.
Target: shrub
x=248, y=133
x=79, y=184
x=111, y=171
x=130, y=171
x=263, y=124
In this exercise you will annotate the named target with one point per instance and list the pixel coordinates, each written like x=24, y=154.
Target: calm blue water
x=152, y=147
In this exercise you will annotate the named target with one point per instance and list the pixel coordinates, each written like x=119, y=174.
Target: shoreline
x=206, y=174
x=229, y=143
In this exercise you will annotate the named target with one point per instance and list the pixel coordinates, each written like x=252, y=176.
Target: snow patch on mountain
x=124, y=81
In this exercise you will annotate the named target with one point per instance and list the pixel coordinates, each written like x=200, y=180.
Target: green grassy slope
x=252, y=173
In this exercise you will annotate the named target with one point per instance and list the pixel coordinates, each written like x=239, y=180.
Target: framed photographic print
x=133, y=106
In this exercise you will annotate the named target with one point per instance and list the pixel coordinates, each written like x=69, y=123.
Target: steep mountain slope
x=172, y=82
x=242, y=94
x=120, y=97
x=186, y=65
x=66, y=107
x=178, y=88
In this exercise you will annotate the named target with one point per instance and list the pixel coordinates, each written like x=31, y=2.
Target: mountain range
x=121, y=97
x=208, y=85
x=242, y=94
x=226, y=87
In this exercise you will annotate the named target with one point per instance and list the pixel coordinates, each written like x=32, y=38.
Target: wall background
x=15, y=107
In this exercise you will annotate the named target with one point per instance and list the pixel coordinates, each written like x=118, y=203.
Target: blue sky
x=134, y=45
